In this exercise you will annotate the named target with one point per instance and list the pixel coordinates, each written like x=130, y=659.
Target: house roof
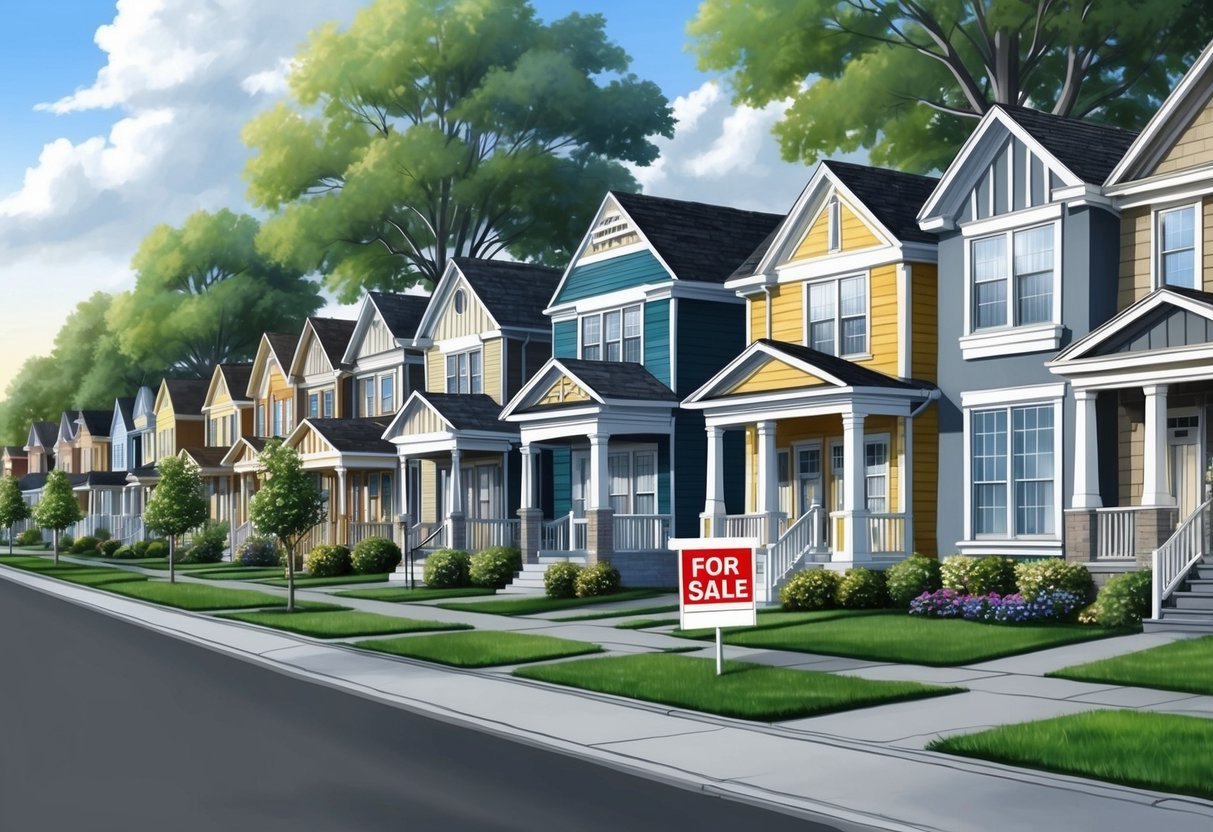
x=515, y=294
x=236, y=377
x=282, y=345
x=334, y=336
x=98, y=422
x=47, y=433
x=15, y=451
x=893, y=197
x=698, y=241
x=618, y=380
x=125, y=407
x=468, y=412
x=355, y=435
x=31, y=482
x=401, y=313
x=187, y=394
x=101, y=479
x=206, y=457
x=1090, y=150
x=848, y=372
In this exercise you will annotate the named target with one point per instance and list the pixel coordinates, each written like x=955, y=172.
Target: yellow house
x=229, y=416
x=270, y=388
x=833, y=393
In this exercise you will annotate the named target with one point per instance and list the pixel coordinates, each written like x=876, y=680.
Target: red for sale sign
x=716, y=582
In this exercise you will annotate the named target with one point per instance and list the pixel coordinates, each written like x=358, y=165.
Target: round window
x=459, y=301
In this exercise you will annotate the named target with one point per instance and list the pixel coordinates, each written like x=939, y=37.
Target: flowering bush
x=375, y=554
x=560, y=579
x=978, y=576
x=1125, y=600
x=446, y=568
x=1002, y=609
x=810, y=589
x=1052, y=574
x=908, y=579
x=326, y=561
x=599, y=579
x=861, y=589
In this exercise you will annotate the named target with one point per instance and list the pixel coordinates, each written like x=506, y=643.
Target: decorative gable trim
x=413, y=406
x=541, y=384
x=451, y=280
x=750, y=361
x=1124, y=322
x=307, y=342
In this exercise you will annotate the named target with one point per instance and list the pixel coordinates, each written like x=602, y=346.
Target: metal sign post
x=716, y=585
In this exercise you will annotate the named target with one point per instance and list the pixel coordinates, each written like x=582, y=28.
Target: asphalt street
x=106, y=725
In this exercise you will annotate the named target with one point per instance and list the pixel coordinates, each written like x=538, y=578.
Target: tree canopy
x=906, y=79
x=58, y=507
x=178, y=503
x=435, y=128
x=13, y=508
x=288, y=505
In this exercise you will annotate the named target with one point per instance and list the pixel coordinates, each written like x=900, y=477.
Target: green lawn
x=774, y=617
x=239, y=573
x=303, y=580
x=162, y=563
x=481, y=648
x=403, y=593
x=899, y=637
x=594, y=616
x=191, y=596
x=746, y=691
x=1135, y=748
x=99, y=577
x=339, y=624
x=532, y=604
x=1181, y=665
x=645, y=623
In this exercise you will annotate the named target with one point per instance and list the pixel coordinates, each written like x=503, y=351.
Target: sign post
x=716, y=585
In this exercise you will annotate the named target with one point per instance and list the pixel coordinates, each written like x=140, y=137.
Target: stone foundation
x=1154, y=526
x=647, y=569
x=530, y=527
x=600, y=535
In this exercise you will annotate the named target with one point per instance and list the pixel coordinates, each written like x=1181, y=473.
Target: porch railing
x=806, y=535
x=641, y=532
x=754, y=525
x=358, y=532
x=567, y=533
x=1174, y=559
x=240, y=534
x=483, y=533
x=887, y=534
x=1116, y=532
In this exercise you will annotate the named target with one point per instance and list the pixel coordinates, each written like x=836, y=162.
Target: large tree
x=436, y=128
x=178, y=504
x=203, y=295
x=906, y=79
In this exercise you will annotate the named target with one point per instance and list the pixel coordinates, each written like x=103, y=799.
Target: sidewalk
x=862, y=769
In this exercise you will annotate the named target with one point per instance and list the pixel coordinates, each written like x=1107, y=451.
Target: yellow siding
x=424, y=421
x=564, y=390
x=473, y=320
x=776, y=375
x=377, y=339
x=314, y=443
x=787, y=313
x=925, y=482
x=492, y=369
x=816, y=241
x=1134, y=281
x=883, y=341
x=317, y=361
x=1194, y=148
x=758, y=316
x=924, y=303
x=435, y=371
x=429, y=491
x=221, y=396
x=855, y=235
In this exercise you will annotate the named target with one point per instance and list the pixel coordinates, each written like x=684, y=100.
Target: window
x=633, y=481
x=1177, y=247
x=289, y=418
x=876, y=474
x=231, y=430
x=261, y=420
x=328, y=404
x=313, y=405
x=1012, y=471
x=368, y=397
x=460, y=301
x=613, y=336
x=277, y=417
x=464, y=372
x=834, y=219
x=838, y=316
x=387, y=397
x=1012, y=276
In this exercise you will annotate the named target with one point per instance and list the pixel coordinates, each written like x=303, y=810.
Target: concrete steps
x=1191, y=606
x=529, y=580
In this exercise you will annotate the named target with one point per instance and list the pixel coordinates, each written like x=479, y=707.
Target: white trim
x=1174, y=185
x=1156, y=212
x=1036, y=393
x=602, y=341
x=1121, y=321
x=904, y=335
x=618, y=251
x=1013, y=340
x=1013, y=221
x=689, y=289
x=837, y=281
x=461, y=344
x=673, y=340
x=1021, y=547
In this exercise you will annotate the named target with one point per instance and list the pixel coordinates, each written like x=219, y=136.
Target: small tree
x=288, y=506
x=58, y=507
x=13, y=508
x=177, y=505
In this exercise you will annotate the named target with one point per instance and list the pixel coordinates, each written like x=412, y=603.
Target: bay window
x=838, y=316
x=615, y=335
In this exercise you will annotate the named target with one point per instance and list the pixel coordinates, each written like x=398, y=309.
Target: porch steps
x=1190, y=607
x=529, y=580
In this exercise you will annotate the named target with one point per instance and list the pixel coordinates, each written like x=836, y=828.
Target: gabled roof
x=236, y=377
x=43, y=434
x=333, y=335
x=67, y=427
x=515, y=294
x=14, y=452
x=205, y=457
x=460, y=411
x=401, y=314
x=598, y=383
x=253, y=443
x=31, y=482
x=98, y=422
x=101, y=479
x=356, y=436
x=1112, y=334
x=123, y=414
x=186, y=394
x=280, y=346
x=145, y=402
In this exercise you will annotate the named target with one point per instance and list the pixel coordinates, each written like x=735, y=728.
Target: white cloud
x=268, y=81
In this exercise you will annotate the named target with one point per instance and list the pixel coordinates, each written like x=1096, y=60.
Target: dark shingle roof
x=282, y=344
x=47, y=433
x=1194, y=294
x=236, y=376
x=848, y=372
x=207, y=457
x=469, y=411
x=98, y=422
x=125, y=407
x=15, y=451
x=619, y=380
x=401, y=313
x=1088, y=149
x=31, y=482
x=103, y=479
x=698, y=241
x=892, y=196
x=514, y=293
x=333, y=335
x=749, y=265
x=187, y=394
x=145, y=472
x=355, y=435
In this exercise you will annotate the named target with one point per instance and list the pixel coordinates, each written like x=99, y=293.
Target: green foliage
x=978, y=576
x=908, y=579
x=258, y=551
x=560, y=579
x=429, y=129
x=862, y=589
x=597, y=579
x=66, y=541
x=125, y=553
x=1049, y=575
x=810, y=589
x=495, y=567
x=904, y=79
x=289, y=504
x=109, y=548
x=86, y=544
x=140, y=548
x=1125, y=600
x=29, y=537
x=156, y=549
x=209, y=543
x=327, y=561
x=101, y=533
x=447, y=568
x=373, y=555
x=13, y=508
x=58, y=507
x=178, y=503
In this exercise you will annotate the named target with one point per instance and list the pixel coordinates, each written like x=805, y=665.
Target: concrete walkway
x=859, y=769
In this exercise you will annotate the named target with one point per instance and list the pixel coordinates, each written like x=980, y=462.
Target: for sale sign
x=716, y=581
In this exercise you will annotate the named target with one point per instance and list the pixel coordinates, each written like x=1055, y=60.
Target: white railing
x=566, y=533
x=806, y=536
x=1116, y=532
x=887, y=534
x=358, y=532
x=641, y=532
x=754, y=525
x=483, y=533
x=241, y=533
x=1174, y=559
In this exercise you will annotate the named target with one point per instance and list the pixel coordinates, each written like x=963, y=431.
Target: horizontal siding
x=1207, y=244
x=435, y=371
x=1133, y=283
x=855, y=233
x=924, y=306
x=925, y=482
x=428, y=474
x=1194, y=147
x=492, y=369
x=776, y=375
x=787, y=313
x=884, y=344
x=710, y=335
x=756, y=308
x=657, y=340
x=635, y=269
x=564, y=339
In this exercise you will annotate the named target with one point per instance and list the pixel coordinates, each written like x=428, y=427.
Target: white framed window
x=368, y=396
x=465, y=372
x=837, y=319
x=261, y=419
x=313, y=405
x=633, y=481
x=876, y=473
x=613, y=335
x=834, y=224
x=387, y=394
x=1177, y=245
x=1012, y=276
x=328, y=404
x=278, y=413
x=1012, y=471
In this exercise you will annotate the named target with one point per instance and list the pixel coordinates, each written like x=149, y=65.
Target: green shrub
x=140, y=548
x=596, y=580
x=109, y=547
x=29, y=537
x=209, y=543
x=258, y=551
x=299, y=556
x=374, y=555
x=1125, y=600
x=494, y=567
x=86, y=544
x=560, y=579
x=810, y=589
x=156, y=549
x=328, y=561
x=1049, y=575
x=447, y=568
x=125, y=553
x=978, y=576
x=102, y=534
x=66, y=542
x=862, y=589
x=908, y=579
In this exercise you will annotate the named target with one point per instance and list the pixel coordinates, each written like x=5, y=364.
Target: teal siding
x=564, y=339
x=657, y=340
x=690, y=471
x=562, y=481
x=634, y=269
x=663, y=475
x=710, y=335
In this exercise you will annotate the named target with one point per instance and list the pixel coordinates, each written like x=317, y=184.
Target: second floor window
x=278, y=404
x=313, y=405
x=1012, y=278
x=612, y=336
x=261, y=420
x=838, y=316
x=328, y=404
x=1176, y=237
x=464, y=372
x=387, y=397
x=368, y=396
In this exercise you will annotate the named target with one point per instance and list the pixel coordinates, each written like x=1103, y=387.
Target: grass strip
x=196, y=597
x=532, y=604
x=646, y=623
x=403, y=593
x=907, y=639
x=772, y=618
x=339, y=624
x=745, y=691
x=1134, y=748
x=483, y=648
x=239, y=573
x=1185, y=666
x=162, y=563
x=336, y=580
x=594, y=616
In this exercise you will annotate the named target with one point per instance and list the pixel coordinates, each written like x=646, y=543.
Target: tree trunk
x=290, y=578
x=55, y=540
x=10, y=541
x=172, y=575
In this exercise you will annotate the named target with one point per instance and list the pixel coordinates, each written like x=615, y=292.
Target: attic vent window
x=612, y=231
x=459, y=302
x=835, y=224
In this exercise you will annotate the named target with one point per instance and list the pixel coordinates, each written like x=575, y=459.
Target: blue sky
x=119, y=116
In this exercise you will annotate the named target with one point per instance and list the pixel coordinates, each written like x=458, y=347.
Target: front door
x=808, y=477
x=581, y=482
x=1183, y=458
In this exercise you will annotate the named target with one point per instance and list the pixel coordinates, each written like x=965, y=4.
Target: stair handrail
x=806, y=534
x=412, y=550
x=1173, y=560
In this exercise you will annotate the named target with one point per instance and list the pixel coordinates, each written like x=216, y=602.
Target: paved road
x=108, y=726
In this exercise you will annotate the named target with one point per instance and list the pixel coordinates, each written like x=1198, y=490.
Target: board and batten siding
x=424, y=421
x=377, y=339
x=656, y=356
x=710, y=335
x=317, y=362
x=564, y=339
x=473, y=320
x=638, y=268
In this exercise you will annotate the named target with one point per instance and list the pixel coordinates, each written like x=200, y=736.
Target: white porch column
x=529, y=459
x=854, y=505
x=455, y=503
x=1086, y=451
x=768, y=481
x=340, y=491
x=1155, y=490
x=600, y=483
x=713, y=504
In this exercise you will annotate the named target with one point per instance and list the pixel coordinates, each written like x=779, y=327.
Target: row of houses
x=1012, y=359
